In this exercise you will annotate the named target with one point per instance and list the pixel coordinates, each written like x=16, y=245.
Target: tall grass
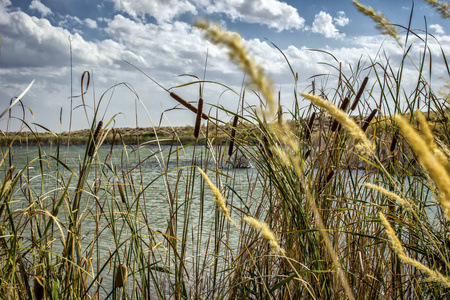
x=316, y=217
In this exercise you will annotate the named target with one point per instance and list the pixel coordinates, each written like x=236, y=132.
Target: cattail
x=198, y=120
x=187, y=104
x=369, y=119
x=38, y=287
x=313, y=85
x=344, y=119
x=394, y=141
x=121, y=276
x=343, y=107
x=267, y=233
x=383, y=24
x=327, y=179
x=122, y=195
x=92, y=146
x=307, y=154
x=280, y=110
x=329, y=176
x=359, y=94
x=310, y=125
x=233, y=134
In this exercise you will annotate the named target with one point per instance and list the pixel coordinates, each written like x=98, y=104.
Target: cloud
x=341, y=20
x=161, y=10
x=37, y=5
x=437, y=28
x=90, y=23
x=273, y=13
x=323, y=24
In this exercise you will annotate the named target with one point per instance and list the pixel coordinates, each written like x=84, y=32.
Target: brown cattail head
x=121, y=276
x=369, y=119
x=358, y=95
x=307, y=154
x=313, y=84
x=38, y=287
x=394, y=141
x=92, y=145
x=233, y=134
x=310, y=125
x=280, y=110
x=198, y=120
x=122, y=195
x=343, y=107
x=187, y=104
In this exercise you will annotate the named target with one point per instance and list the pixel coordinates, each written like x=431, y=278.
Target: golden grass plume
x=239, y=54
x=389, y=194
x=344, y=119
x=267, y=234
x=435, y=169
x=443, y=7
x=220, y=200
x=383, y=24
x=433, y=276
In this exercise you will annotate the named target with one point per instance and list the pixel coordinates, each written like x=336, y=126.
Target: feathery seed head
x=266, y=232
x=238, y=53
x=344, y=119
x=431, y=164
x=383, y=24
x=220, y=201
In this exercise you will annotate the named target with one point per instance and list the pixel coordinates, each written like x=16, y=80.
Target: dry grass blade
x=17, y=99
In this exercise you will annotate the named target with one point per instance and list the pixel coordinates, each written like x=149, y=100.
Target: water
x=158, y=189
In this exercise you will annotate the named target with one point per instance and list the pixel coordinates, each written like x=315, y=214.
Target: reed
x=198, y=120
x=313, y=218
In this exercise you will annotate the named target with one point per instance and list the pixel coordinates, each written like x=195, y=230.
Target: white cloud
x=437, y=28
x=4, y=15
x=273, y=13
x=70, y=21
x=161, y=10
x=90, y=23
x=341, y=20
x=37, y=5
x=323, y=24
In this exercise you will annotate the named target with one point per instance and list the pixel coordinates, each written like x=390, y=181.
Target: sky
x=159, y=37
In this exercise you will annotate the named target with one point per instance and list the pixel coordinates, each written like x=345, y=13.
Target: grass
x=317, y=217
